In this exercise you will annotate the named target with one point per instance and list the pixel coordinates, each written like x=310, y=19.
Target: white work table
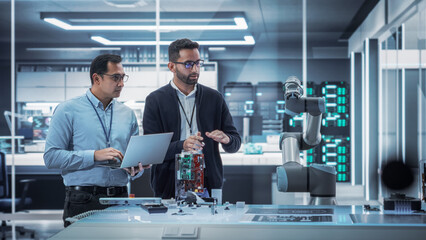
x=249, y=222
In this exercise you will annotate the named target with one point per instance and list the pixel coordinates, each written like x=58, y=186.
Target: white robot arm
x=319, y=180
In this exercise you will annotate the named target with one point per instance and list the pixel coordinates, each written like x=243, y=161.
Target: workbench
x=248, y=222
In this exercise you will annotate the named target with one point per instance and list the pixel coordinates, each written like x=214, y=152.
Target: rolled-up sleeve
x=57, y=154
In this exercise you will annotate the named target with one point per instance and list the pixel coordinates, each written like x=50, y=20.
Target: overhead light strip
x=75, y=49
x=217, y=48
x=248, y=40
x=240, y=24
x=152, y=21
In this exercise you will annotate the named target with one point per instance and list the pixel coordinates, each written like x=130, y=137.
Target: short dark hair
x=179, y=44
x=100, y=64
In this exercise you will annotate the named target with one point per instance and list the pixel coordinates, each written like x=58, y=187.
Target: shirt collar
x=190, y=94
x=96, y=101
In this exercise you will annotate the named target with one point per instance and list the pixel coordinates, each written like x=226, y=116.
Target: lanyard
x=102, y=123
x=186, y=117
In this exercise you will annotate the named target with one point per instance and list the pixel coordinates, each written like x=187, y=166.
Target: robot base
x=322, y=201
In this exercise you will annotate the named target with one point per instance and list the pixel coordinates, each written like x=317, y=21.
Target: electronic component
x=154, y=208
x=240, y=204
x=400, y=203
x=291, y=218
x=128, y=201
x=189, y=174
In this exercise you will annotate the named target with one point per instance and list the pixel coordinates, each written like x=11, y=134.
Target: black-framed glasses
x=117, y=77
x=190, y=64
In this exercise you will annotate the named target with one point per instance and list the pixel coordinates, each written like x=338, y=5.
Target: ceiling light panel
x=248, y=40
x=145, y=21
x=240, y=24
x=75, y=49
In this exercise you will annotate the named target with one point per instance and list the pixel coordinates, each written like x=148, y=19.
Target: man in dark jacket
x=198, y=116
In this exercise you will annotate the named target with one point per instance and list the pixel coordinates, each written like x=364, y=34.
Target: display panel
x=40, y=127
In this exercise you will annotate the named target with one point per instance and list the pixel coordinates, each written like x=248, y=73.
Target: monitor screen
x=255, y=128
x=271, y=92
x=236, y=93
x=25, y=128
x=40, y=127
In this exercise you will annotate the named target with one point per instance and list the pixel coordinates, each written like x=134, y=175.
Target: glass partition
x=421, y=102
x=402, y=96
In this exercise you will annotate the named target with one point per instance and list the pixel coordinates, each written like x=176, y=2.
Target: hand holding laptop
x=133, y=171
x=115, y=157
x=141, y=153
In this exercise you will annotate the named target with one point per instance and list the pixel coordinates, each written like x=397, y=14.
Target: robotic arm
x=319, y=180
x=292, y=143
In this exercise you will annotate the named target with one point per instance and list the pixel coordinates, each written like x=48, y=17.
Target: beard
x=117, y=92
x=187, y=78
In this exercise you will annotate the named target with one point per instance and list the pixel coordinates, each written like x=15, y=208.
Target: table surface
x=249, y=222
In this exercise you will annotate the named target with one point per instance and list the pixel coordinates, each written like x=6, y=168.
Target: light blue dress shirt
x=75, y=132
x=188, y=102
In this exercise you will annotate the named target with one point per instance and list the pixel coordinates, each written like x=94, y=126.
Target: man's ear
x=96, y=78
x=171, y=66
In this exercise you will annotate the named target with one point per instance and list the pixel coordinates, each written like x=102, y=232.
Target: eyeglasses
x=190, y=64
x=117, y=77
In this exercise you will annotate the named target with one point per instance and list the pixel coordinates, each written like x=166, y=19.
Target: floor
x=346, y=194
x=44, y=229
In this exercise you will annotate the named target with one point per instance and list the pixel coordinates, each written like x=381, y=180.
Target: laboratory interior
x=328, y=98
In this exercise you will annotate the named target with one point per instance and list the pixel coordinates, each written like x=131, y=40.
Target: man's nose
x=195, y=68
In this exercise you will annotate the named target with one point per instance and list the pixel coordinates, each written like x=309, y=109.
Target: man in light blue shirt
x=88, y=131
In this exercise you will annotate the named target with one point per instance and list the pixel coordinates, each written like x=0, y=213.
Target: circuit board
x=189, y=174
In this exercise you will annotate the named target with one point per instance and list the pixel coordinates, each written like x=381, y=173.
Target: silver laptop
x=146, y=149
